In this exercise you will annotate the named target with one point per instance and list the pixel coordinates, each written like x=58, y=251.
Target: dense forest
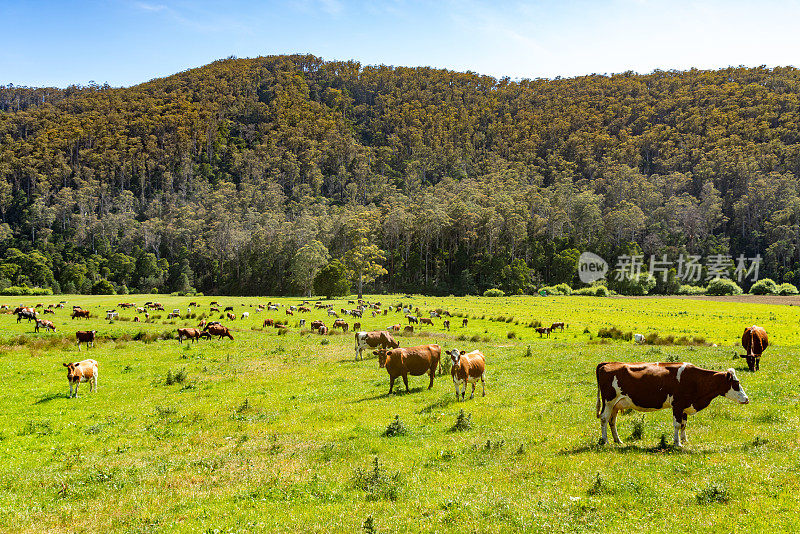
x=247, y=176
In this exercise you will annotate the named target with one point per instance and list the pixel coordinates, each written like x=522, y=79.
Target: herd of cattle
x=645, y=387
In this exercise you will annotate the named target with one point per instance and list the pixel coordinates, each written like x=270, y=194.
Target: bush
x=103, y=287
x=614, y=333
x=593, y=291
x=687, y=289
x=377, y=482
x=494, y=292
x=560, y=289
x=767, y=286
x=787, y=289
x=24, y=290
x=395, y=428
x=463, y=422
x=635, y=285
x=723, y=286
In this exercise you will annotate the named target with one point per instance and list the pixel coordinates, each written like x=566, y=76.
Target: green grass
x=289, y=434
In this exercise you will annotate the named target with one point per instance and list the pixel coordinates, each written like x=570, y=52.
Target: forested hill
x=216, y=177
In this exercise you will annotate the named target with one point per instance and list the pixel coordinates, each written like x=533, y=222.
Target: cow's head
x=72, y=374
x=455, y=356
x=382, y=355
x=735, y=392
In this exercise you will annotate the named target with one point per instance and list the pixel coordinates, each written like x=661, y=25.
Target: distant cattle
x=111, y=315
x=446, y=324
x=316, y=324
x=323, y=330
x=412, y=319
x=25, y=313
x=228, y=308
x=464, y=322
x=85, y=337
x=395, y=328
x=272, y=307
x=213, y=309
x=289, y=312
x=638, y=338
x=338, y=323
x=356, y=327
x=425, y=320
x=219, y=331
x=332, y=313
x=560, y=326
x=647, y=387
x=136, y=319
x=543, y=330
x=245, y=315
x=754, y=341
x=80, y=314
x=47, y=325
x=49, y=311
x=304, y=309
x=268, y=322
x=372, y=340
x=84, y=371
x=414, y=361
x=231, y=316
x=467, y=368
x=302, y=322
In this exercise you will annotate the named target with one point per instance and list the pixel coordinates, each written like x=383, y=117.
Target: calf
x=646, y=387
x=638, y=338
x=245, y=315
x=85, y=371
x=754, y=341
x=47, y=325
x=218, y=330
x=467, y=368
x=85, y=337
x=372, y=340
x=413, y=361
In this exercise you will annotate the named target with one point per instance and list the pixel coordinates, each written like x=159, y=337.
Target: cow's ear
x=66, y=365
x=463, y=352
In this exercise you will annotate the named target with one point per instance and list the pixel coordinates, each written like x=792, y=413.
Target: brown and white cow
x=372, y=340
x=646, y=387
x=219, y=330
x=80, y=314
x=85, y=371
x=543, y=330
x=425, y=320
x=268, y=322
x=559, y=325
x=467, y=368
x=754, y=341
x=85, y=337
x=446, y=324
x=404, y=361
x=316, y=324
x=190, y=333
x=339, y=323
x=323, y=330
x=47, y=325
x=412, y=319
x=25, y=313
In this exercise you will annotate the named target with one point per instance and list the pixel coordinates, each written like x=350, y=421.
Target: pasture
x=287, y=433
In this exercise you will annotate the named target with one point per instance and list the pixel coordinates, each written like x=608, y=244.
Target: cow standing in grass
x=85, y=371
x=25, y=313
x=467, y=368
x=47, y=325
x=219, y=330
x=754, y=341
x=414, y=361
x=85, y=337
x=372, y=340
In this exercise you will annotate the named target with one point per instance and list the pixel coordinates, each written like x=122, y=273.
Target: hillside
x=215, y=177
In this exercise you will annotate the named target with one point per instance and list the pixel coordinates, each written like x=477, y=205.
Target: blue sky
x=124, y=42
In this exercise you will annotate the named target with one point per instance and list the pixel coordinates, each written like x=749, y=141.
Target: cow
x=323, y=330
x=408, y=329
x=338, y=323
x=80, y=313
x=316, y=324
x=47, y=325
x=559, y=325
x=219, y=330
x=467, y=368
x=425, y=320
x=754, y=341
x=302, y=322
x=372, y=340
x=446, y=324
x=25, y=313
x=213, y=309
x=111, y=315
x=268, y=322
x=85, y=337
x=228, y=308
x=332, y=313
x=272, y=307
x=190, y=333
x=647, y=387
x=136, y=319
x=356, y=327
x=209, y=324
x=394, y=328
x=464, y=322
x=289, y=312
x=245, y=315
x=231, y=316
x=85, y=371
x=543, y=330
x=412, y=319
x=193, y=304
x=49, y=311
x=638, y=339
x=304, y=309
x=59, y=306
x=404, y=361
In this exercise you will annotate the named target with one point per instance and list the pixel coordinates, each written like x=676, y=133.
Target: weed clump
x=713, y=493
x=599, y=486
x=614, y=333
x=178, y=377
x=463, y=422
x=529, y=352
x=637, y=434
x=377, y=482
x=511, y=335
x=395, y=428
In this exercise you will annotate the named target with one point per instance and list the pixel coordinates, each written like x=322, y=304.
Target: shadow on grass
x=49, y=397
x=396, y=392
x=441, y=403
x=629, y=449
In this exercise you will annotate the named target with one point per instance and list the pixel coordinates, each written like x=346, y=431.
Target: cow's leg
x=612, y=422
x=391, y=383
x=405, y=381
x=678, y=421
x=751, y=363
x=79, y=346
x=472, y=395
x=483, y=384
x=683, y=429
x=758, y=363
x=77, y=383
x=70, y=389
x=432, y=373
x=455, y=383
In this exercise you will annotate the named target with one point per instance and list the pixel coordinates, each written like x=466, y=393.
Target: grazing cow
x=25, y=313
x=543, y=330
x=339, y=323
x=111, y=315
x=304, y=309
x=394, y=328
x=646, y=387
x=425, y=320
x=316, y=324
x=467, y=368
x=85, y=371
x=414, y=361
x=228, y=308
x=209, y=324
x=372, y=340
x=385, y=312
x=213, y=309
x=446, y=324
x=80, y=313
x=59, y=306
x=85, y=337
x=464, y=322
x=412, y=319
x=214, y=303
x=332, y=313
x=47, y=325
x=272, y=307
x=408, y=329
x=190, y=333
x=268, y=322
x=136, y=319
x=245, y=315
x=356, y=327
x=193, y=304
x=302, y=322
x=49, y=311
x=560, y=326
x=323, y=330
x=289, y=312
x=202, y=323
x=218, y=330
x=754, y=341
x=231, y=316
x=638, y=338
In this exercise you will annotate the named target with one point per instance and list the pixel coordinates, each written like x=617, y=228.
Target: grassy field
x=284, y=433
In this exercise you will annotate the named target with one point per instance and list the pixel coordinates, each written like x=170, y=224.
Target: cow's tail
x=598, y=401
x=599, y=397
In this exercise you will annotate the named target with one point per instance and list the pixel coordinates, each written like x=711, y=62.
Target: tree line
x=249, y=176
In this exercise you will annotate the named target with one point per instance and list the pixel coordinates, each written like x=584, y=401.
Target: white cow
x=638, y=338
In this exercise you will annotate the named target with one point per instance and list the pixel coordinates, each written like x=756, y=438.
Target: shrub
x=376, y=482
x=635, y=285
x=787, y=289
x=766, y=286
x=614, y=333
x=24, y=290
x=560, y=289
x=592, y=291
x=687, y=289
x=494, y=292
x=463, y=422
x=511, y=335
x=395, y=428
x=723, y=286
x=638, y=429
